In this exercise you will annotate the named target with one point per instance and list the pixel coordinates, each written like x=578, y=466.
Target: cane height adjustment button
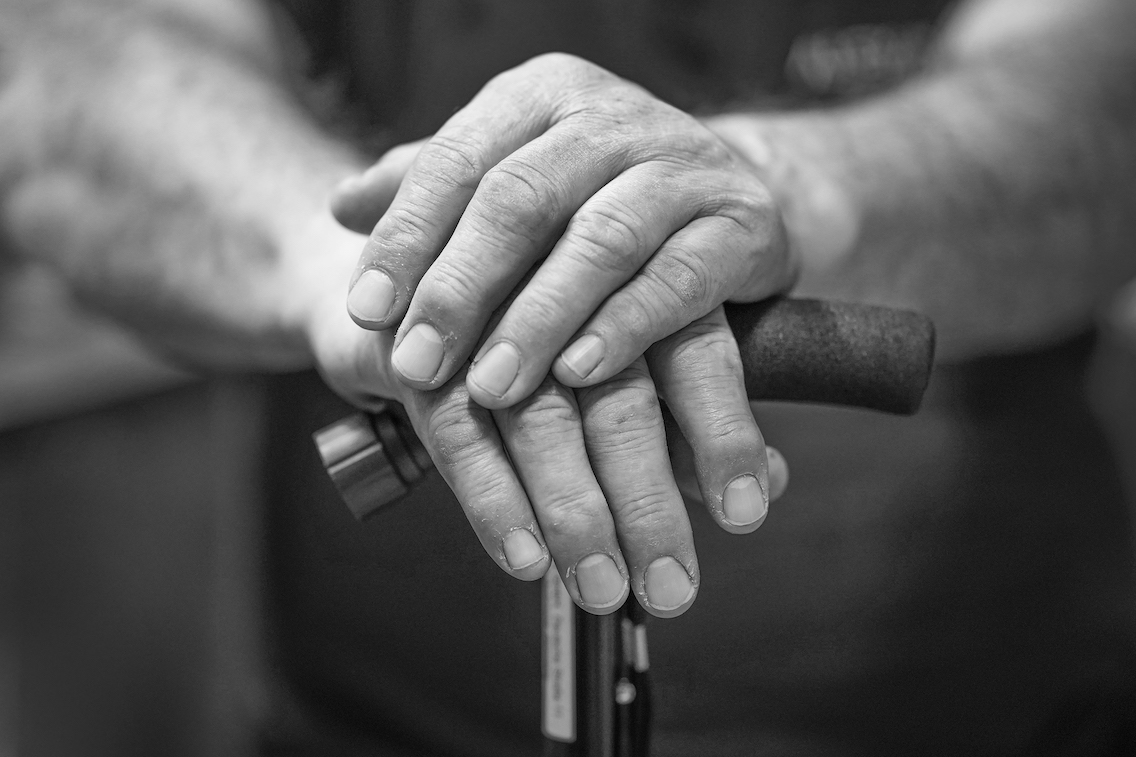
x=372, y=459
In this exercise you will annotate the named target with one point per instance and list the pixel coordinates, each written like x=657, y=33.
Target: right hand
x=631, y=219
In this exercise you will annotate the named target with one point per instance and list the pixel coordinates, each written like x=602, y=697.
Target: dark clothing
x=960, y=582
x=407, y=66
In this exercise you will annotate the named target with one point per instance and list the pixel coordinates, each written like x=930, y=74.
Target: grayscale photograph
x=567, y=378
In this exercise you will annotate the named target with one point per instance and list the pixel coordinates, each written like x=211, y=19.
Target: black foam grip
x=802, y=350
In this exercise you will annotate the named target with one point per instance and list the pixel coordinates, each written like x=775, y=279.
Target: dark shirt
x=407, y=66
x=960, y=582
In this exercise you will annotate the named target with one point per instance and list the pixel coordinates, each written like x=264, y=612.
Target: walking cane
x=595, y=669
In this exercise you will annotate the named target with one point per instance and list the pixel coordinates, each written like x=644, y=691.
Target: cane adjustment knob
x=373, y=459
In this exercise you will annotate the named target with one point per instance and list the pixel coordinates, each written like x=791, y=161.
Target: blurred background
x=129, y=540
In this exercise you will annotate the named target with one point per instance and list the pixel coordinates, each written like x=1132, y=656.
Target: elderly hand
x=583, y=477
x=641, y=219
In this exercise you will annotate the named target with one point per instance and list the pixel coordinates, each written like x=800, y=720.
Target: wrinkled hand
x=583, y=476
x=641, y=219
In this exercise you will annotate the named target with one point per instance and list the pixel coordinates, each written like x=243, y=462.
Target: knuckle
x=522, y=194
x=634, y=314
x=644, y=309
x=611, y=237
x=572, y=502
x=544, y=420
x=575, y=83
x=623, y=444
x=621, y=405
x=651, y=511
x=528, y=84
x=683, y=277
x=700, y=361
x=484, y=490
x=458, y=160
x=572, y=509
x=732, y=428
x=755, y=212
x=539, y=318
x=449, y=287
x=403, y=227
x=455, y=434
x=553, y=60
x=458, y=442
x=623, y=419
x=706, y=344
x=560, y=63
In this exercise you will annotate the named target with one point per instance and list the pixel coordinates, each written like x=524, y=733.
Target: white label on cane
x=559, y=660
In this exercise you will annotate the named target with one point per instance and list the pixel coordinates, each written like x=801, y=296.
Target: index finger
x=464, y=444
x=428, y=203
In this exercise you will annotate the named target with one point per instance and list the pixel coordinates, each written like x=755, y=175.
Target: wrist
x=788, y=153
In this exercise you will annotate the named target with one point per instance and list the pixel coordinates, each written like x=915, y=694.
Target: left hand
x=645, y=221
x=582, y=477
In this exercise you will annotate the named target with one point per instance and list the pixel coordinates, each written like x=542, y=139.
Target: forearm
x=164, y=169
x=994, y=193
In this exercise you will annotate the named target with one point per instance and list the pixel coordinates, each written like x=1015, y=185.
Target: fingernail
x=778, y=473
x=583, y=355
x=419, y=354
x=743, y=502
x=600, y=582
x=668, y=585
x=497, y=369
x=522, y=549
x=372, y=297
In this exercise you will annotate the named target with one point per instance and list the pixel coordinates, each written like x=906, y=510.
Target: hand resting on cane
x=696, y=371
